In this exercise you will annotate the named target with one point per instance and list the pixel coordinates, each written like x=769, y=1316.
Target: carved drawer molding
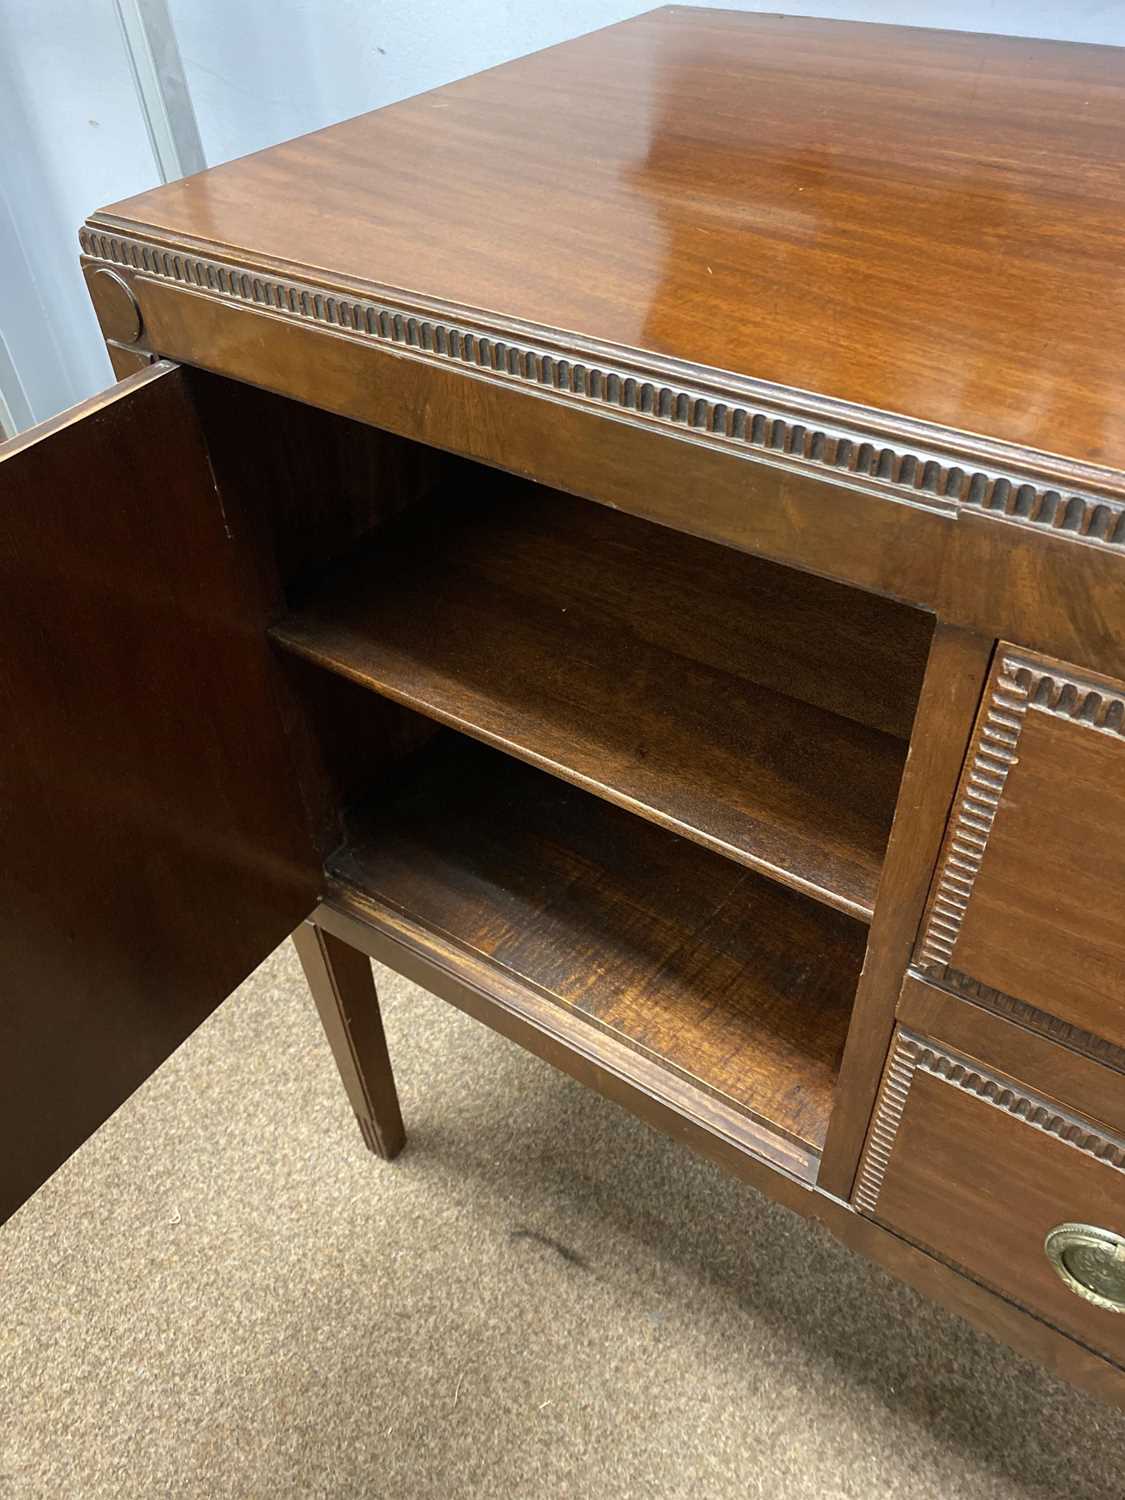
x=1023, y=915
x=988, y=1174
x=912, y=1053
x=1069, y=1035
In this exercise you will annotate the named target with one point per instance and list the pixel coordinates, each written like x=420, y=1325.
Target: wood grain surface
x=153, y=844
x=955, y=675
x=739, y=985
x=980, y=1169
x=1052, y=1070
x=911, y=220
x=1027, y=897
x=660, y=671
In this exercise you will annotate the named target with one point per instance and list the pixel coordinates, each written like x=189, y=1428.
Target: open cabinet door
x=153, y=845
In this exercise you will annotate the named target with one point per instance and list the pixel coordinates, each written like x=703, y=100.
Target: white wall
x=271, y=69
x=260, y=71
x=71, y=138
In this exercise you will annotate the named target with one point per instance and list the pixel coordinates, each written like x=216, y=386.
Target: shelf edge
x=290, y=640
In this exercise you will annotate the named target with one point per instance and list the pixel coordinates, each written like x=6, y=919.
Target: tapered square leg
x=344, y=990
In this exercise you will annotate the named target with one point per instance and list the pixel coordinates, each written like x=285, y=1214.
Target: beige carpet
x=222, y=1294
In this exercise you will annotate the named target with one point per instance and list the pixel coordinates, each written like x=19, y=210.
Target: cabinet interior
x=646, y=776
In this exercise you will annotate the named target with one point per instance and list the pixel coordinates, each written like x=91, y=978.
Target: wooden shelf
x=758, y=711
x=738, y=986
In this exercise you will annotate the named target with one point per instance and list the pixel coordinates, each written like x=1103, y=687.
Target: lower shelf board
x=735, y=988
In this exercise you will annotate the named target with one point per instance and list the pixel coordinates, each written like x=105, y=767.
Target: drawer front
x=975, y=1165
x=1025, y=913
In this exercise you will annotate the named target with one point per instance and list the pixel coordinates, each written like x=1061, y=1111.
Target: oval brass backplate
x=1091, y=1261
x=115, y=305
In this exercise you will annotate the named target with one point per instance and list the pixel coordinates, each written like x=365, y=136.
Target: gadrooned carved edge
x=913, y=1054
x=778, y=431
x=1004, y=1094
x=1031, y=1017
x=1086, y=704
x=991, y=757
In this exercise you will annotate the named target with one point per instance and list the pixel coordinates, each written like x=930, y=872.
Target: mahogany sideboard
x=635, y=541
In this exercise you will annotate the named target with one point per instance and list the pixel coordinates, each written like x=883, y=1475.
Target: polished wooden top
x=920, y=222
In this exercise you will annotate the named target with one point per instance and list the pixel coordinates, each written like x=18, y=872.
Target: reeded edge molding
x=991, y=756
x=1029, y=1016
x=1095, y=704
x=1013, y=1099
x=894, y=1090
x=913, y=1054
x=901, y=459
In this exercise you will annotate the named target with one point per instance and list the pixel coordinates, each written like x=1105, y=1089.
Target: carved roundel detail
x=118, y=310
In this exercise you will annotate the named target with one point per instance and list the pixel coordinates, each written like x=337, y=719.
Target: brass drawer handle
x=1091, y=1261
